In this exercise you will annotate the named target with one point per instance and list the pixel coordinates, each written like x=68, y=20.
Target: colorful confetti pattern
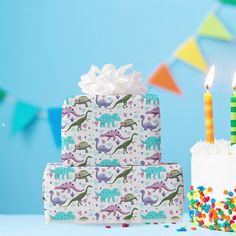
x=211, y=213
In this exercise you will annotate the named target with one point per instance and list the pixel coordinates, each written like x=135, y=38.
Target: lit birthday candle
x=233, y=113
x=208, y=107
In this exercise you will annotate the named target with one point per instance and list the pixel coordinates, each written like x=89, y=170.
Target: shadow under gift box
x=116, y=194
x=111, y=130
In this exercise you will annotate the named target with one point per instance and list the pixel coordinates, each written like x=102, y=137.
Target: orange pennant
x=163, y=78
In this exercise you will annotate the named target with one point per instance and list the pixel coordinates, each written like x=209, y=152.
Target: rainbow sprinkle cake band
x=212, y=214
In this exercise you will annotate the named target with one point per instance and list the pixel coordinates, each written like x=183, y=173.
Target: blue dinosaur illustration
x=62, y=172
x=108, y=162
x=152, y=142
x=109, y=194
x=66, y=141
x=61, y=215
x=151, y=98
x=108, y=119
x=154, y=171
x=153, y=215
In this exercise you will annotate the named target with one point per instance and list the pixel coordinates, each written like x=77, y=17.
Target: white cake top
x=219, y=148
x=111, y=80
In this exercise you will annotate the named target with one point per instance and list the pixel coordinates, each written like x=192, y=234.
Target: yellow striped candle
x=208, y=108
x=233, y=113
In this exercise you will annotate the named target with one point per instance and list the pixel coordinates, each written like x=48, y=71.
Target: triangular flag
x=23, y=115
x=212, y=27
x=3, y=94
x=231, y=2
x=191, y=54
x=54, y=118
x=163, y=78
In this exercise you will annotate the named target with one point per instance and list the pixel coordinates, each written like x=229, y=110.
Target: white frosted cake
x=212, y=195
x=214, y=165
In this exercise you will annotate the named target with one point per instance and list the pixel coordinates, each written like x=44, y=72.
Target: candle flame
x=234, y=82
x=210, y=77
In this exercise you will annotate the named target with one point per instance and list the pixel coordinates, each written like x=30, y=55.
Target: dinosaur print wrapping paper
x=111, y=130
x=113, y=194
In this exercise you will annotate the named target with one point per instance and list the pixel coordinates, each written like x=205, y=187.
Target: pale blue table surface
x=33, y=225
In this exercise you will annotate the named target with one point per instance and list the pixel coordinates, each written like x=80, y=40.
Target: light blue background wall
x=46, y=45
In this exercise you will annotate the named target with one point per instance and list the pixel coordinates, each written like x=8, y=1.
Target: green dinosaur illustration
x=151, y=98
x=108, y=119
x=83, y=218
x=153, y=215
x=82, y=100
x=152, y=143
x=84, y=163
x=123, y=100
x=66, y=141
x=171, y=196
x=131, y=215
x=125, y=145
x=79, y=197
x=79, y=122
x=83, y=145
x=153, y=171
x=61, y=215
x=123, y=175
x=108, y=194
x=62, y=172
x=174, y=174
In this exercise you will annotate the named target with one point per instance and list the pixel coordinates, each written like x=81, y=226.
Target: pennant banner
x=163, y=78
x=212, y=27
x=191, y=54
x=3, y=94
x=231, y=2
x=24, y=114
x=54, y=118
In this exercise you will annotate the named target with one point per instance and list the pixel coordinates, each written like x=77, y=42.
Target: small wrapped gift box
x=116, y=194
x=111, y=130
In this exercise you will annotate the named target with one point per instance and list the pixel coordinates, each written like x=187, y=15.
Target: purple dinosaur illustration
x=113, y=134
x=147, y=200
x=68, y=111
x=68, y=186
x=114, y=209
x=159, y=186
x=102, y=148
x=147, y=125
x=102, y=177
x=68, y=156
x=156, y=157
x=155, y=111
x=103, y=102
x=56, y=200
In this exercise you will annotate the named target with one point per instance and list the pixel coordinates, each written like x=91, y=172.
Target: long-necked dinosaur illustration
x=123, y=175
x=79, y=197
x=79, y=122
x=125, y=145
x=171, y=196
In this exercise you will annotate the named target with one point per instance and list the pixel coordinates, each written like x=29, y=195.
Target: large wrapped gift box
x=111, y=130
x=113, y=194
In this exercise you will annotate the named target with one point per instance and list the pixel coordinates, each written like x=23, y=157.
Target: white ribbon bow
x=109, y=80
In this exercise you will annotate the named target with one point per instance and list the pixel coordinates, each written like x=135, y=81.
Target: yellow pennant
x=191, y=54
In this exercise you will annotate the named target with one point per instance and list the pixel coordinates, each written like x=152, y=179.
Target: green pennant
x=231, y=2
x=212, y=27
x=3, y=94
x=24, y=114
